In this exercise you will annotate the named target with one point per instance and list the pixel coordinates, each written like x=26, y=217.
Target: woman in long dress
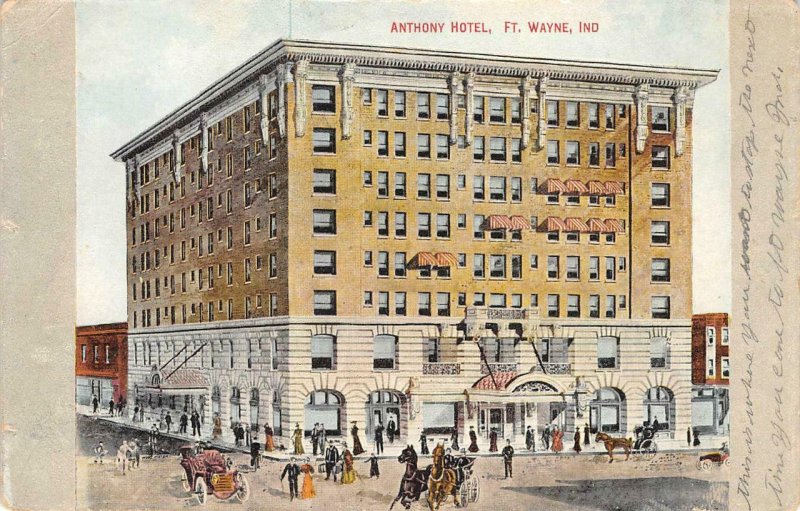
x=558, y=444
x=307, y=491
x=269, y=442
x=473, y=440
x=577, y=446
x=357, y=449
x=217, y=431
x=298, y=439
x=493, y=440
x=348, y=472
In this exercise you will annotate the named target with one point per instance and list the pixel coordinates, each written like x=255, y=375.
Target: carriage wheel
x=201, y=490
x=705, y=465
x=649, y=450
x=699, y=465
x=474, y=489
x=185, y=482
x=727, y=462
x=243, y=491
x=463, y=494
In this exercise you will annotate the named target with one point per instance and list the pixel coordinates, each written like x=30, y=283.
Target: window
x=423, y=186
x=659, y=270
x=399, y=144
x=400, y=264
x=573, y=306
x=367, y=178
x=273, y=266
x=552, y=306
x=423, y=105
x=433, y=350
x=324, y=262
x=246, y=236
x=324, y=141
x=497, y=300
x=367, y=298
x=423, y=146
x=611, y=153
x=367, y=138
x=552, y=152
x=608, y=353
x=611, y=306
x=594, y=306
x=384, y=352
x=516, y=189
x=324, y=303
x=382, y=103
x=366, y=96
x=573, y=118
x=273, y=185
x=659, y=306
x=424, y=304
x=725, y=367
x=273, y=225
x=400, y=184
x=323, y=349
x=442, y=147
x=400, y=224
x=383, y=264
x=497, y=266
x=573, y=268
x=497, y=110
x=497, y=188
x=324, y=221
x=478, y=266
x=383, y=143
x=442, y=186
x=660, y=118
x=724, y=341
x=573, y=153
x=660, y=157
x=594, y=118
x=610, y=119
x=478, y=192
x=534, y=262
x=659, y=195
x=400, y=304
x=442, y=106
x=497, y=149
x=478, y=149
x=594, y=154
x=552, y=113
x=461, y=221
x=516, y=113
x=659, y=233
x=323, y=98
x=442, y=304
x=516, y=266
x=659, y=353
x=324, y=181
x=552, y=267
x=516, y=150
x=383, y=184
x=399, y=104
x=424, y=225
x=479, y=299
x=477, y=227
x=611, y=269
x=442, y=225
x=383, y=303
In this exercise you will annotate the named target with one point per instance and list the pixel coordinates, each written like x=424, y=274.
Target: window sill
x=322, y=154
x=323, y=113
x=319, y=194
x=498, y=162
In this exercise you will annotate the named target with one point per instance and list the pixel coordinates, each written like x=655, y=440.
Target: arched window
x=254, y=407
x=384, y=352
x=215, y=399
x=236, y=407
x=607, y=411
x=277, y=414
x=659, y=406
x=230, y=346
x=274, y=354
x=324, y=407
x=155, y=380
x=323, y=352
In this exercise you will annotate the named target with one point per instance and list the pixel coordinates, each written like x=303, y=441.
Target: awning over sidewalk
x=503, y=378
x=182, y=381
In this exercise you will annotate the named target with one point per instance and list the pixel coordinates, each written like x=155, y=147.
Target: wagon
x=208, y=473
x=718, y=458
x=645, y=444
x=469, y=490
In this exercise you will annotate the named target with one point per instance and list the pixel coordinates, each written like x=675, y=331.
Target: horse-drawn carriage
x=643, y=447
x=439, y=480
x=209, y=473
x=469, y=489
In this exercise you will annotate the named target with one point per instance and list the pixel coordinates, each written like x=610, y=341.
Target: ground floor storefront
x=88, y=387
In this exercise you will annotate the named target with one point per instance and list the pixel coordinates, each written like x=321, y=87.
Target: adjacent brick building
x=710, y=373
x=101, y=363
x=336, y=232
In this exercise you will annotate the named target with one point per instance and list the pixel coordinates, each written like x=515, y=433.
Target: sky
x=139, y=60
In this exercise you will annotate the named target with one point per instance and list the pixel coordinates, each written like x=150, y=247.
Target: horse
x=442, y=481
x=613, y=443
x=414, y=481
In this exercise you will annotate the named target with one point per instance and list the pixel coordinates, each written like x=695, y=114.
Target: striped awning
x=554, y=224
x=615, y=225
x=502, y=378
x=576, y=225
x=614, y=188
x=555, y=186
x=446, y=259
x=597, y=225
x=519, y=222
x=575, y=186
x=425, y=259
x=497, y=222
x=596, y=188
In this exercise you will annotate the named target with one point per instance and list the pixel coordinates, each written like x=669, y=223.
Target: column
x=348, y=79
x=642, y=96
x=300, y=106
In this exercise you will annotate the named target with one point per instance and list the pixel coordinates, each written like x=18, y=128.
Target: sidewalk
x=391, y=451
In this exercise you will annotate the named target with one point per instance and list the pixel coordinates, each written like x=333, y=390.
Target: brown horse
x=613, y=443
x=442, y=481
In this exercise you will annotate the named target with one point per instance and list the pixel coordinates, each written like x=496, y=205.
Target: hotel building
x=335, y=233
x=711, y=373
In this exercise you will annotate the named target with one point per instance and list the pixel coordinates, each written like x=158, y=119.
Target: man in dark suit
x=255, y=455
x=331, y=459
x=379, y=438
x=508, y=456
x=530, y=439
x=391, y=429
x=183, y=421
x=292, y=470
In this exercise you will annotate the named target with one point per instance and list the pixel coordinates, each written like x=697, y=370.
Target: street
x=669, y=481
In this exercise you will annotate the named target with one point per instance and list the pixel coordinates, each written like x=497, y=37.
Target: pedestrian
x=391, y=429
x=423, y=444
x=473, y=440
x=696, y=441
x=269, y=442
x=331, y=460
x=493, y=440
x=193, y=421
x=348, y=471
x=111, y=406
x=558, y=435
x=586, y=434
x=137, y=454
x=379, y=438
x=689, y=436
x=141, y=413
x=120, y=405
x=308, y=484
x=656, y=426
x=247, y=436
x=508, y=456
x=95, y=403
x=255, y=455
x=168, y=421
x=449, y=459
x=99, y=452
x=373, y=466
x=135, y=413
x=292, y=470
x=122, y=456
x=314, y=432
x=530, y=442
x=297, y=436
x=153, y=439
x=546, y=437
x=217, y=431
x=454, y=440
x=357, y=448
x=577, y=446
x=321, y=436
x=184, y=420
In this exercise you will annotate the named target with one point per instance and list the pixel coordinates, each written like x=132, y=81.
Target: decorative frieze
x=452, y=83
x=525, y=110
x=441, y=369
x=680, y=97
x=263, y=99
x=469, y=91
x=300, y=106
x=642, y=96
x=283, y=77
x=204, y=141
x=542, y=111
x=176, y=156
x=348, y=79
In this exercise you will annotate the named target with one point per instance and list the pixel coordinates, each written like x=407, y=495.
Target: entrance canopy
x=182, y=381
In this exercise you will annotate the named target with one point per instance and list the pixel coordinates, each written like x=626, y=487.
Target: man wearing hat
x=292, y=469
x=331, y=460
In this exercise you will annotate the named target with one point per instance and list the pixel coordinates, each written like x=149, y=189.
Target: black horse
x=414, y=481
